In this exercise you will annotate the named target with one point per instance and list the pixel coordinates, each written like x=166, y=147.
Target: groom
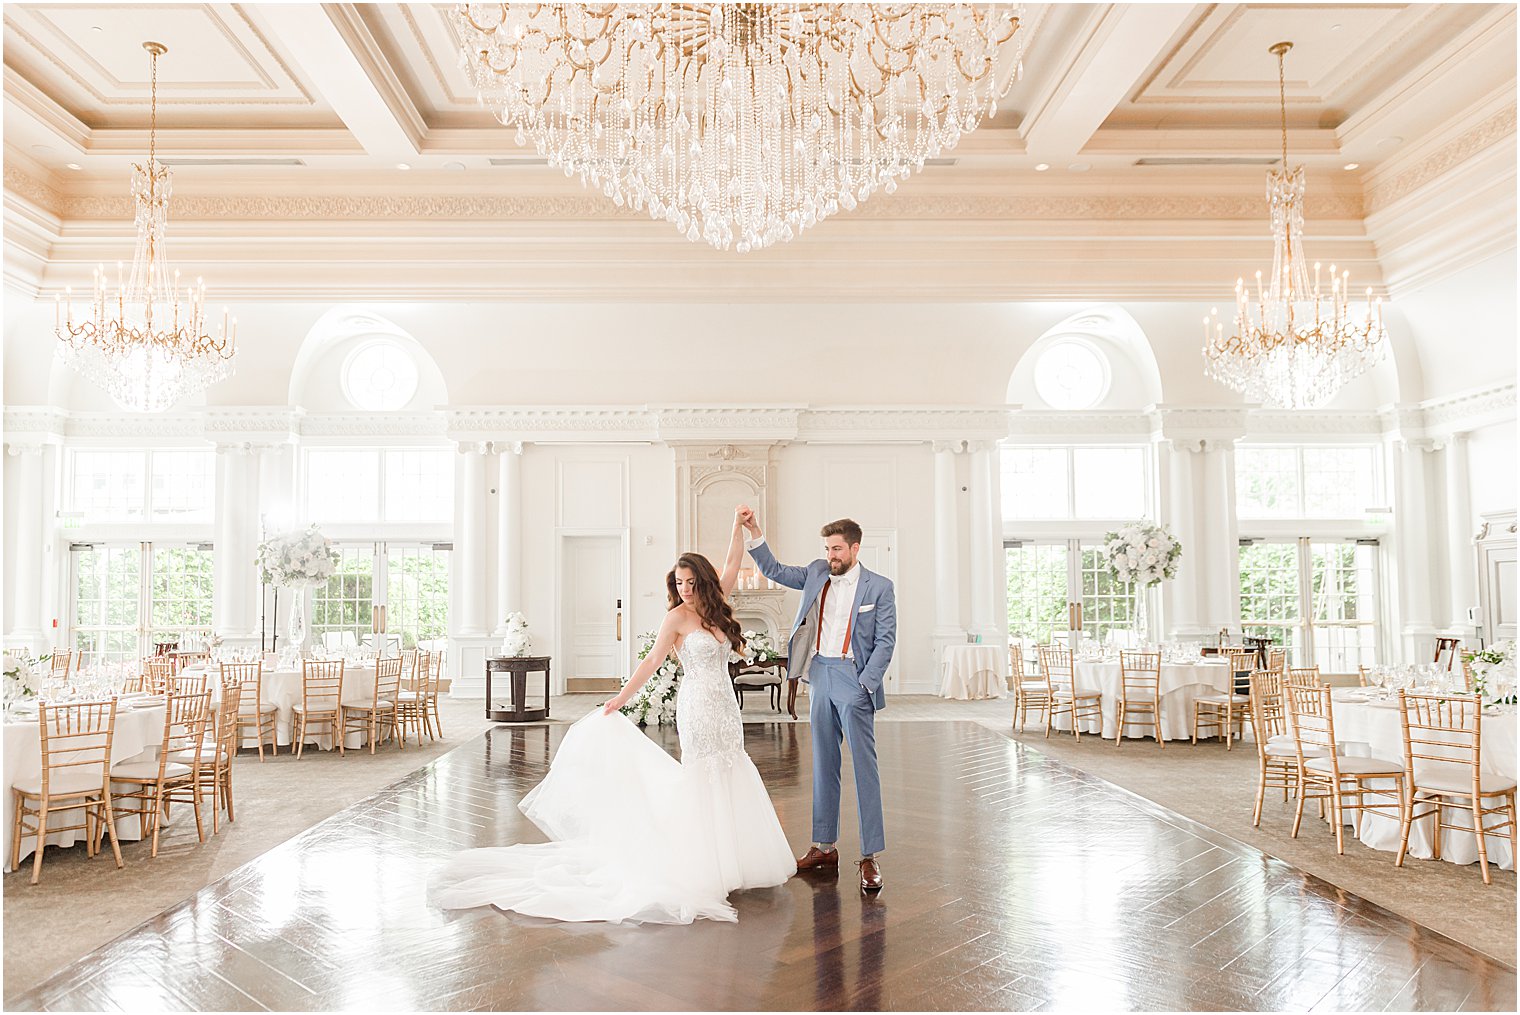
x=841, y=644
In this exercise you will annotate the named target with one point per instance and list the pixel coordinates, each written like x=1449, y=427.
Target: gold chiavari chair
x=1140, y=693
x=410, y=700
x=214, y=756
x=76, y=758
x=62, y=665
x=164, y=780
x=1060, y=675
x=1277, y=659
x=1276, y=748
x=380, y=713
x=321, y=701
x=1029, y=692
x=1443, y=752
x=432, y=679
x=191, y=684
x=134, y=685
x=157, y=672
x=1305, y=676
x=1327, y=776
x=1229, y=710
x=246, y=681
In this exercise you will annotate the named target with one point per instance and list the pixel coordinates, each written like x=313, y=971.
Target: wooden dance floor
x=1013, y=882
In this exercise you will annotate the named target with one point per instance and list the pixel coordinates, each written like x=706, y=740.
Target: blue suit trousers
x=842, y=709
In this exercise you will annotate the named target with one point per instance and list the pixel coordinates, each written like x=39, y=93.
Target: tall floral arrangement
x=1143, y=553
x=656, y=701
x=757, y=649
x=294, y=559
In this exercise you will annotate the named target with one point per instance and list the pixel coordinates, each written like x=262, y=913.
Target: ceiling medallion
x=144, y=339
x=1296, y=342
x=741, y=124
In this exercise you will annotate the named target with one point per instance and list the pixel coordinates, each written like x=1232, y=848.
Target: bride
x=634, y=835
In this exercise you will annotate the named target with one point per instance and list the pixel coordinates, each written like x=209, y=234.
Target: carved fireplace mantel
x=768, y=607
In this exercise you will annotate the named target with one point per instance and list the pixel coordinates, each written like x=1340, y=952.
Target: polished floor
x=1013, y=882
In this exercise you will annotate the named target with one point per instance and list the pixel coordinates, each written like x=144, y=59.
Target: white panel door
x=878, y=552
x=591, y=592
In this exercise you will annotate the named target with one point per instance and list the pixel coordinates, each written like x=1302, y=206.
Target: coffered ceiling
x=1134, y=124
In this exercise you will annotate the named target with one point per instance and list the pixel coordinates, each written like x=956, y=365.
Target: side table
x=518, y=668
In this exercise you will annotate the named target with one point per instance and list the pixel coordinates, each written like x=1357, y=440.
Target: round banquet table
x=973, y=671
x=1372, y=728
x=1180, y=685
x=139, y=731
x=282, y=689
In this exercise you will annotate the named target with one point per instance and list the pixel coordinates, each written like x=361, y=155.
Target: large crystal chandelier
x=741, y=124
x=1296, y=342
x=144, y=338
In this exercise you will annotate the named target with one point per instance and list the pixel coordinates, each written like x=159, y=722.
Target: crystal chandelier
x=1295, y=342
x=145, y=339
x=741, y=124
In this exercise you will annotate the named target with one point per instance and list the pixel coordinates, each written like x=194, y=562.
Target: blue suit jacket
x=874, y=631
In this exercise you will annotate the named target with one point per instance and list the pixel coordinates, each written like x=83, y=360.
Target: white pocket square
x=866, y=608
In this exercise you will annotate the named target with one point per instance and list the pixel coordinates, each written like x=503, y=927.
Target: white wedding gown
x=636, y=836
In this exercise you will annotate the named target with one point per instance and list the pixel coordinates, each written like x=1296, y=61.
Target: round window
x=380, y=376
x=1071, y=375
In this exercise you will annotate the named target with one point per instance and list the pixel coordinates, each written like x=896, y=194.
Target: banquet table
x=139, y=731
x=282, y=689
x=972, y=671
x=1179, y=687
x=1372, y=728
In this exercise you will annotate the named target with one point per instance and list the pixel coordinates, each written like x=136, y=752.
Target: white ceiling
x=352, y=91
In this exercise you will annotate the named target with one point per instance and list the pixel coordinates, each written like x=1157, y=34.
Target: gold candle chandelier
x=144, y=338
x=1296, y=342
x=741, y=124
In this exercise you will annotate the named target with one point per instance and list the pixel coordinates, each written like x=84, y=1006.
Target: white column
x=997, y=569
x=24, y=542
x=509, y=532
x=234, y=590
x=982, y=552
x=1461, y=569
x=467, y=611
x=1415, y=540
x=1182, y=596
x=947, y=584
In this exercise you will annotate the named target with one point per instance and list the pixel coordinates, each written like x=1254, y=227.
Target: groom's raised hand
x=748, y=520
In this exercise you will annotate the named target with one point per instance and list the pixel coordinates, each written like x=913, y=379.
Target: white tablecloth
x=973, y=671
x=282, y=689
x=1373, y=729
x=139, y=731
x=1180, y=686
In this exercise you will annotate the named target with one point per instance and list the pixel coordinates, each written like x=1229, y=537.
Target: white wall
x=1491, y=462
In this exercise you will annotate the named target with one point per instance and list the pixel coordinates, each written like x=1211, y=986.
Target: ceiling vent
x=524, y=161
x=940, y=162
x=232, y=162
x=1210, y=160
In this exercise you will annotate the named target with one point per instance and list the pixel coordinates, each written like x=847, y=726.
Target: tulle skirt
x=637, y=837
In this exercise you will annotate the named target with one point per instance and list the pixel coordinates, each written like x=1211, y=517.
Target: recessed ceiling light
x=1042, y=167
x=454, y=166
x=1392, y=141
x=1351, y=165
x=1335, y=28
x=1079, y=167
x=42, y=149
x=402, y=165
x=75, y=166
x=96, y=28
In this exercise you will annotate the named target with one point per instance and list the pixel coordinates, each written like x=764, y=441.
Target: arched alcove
x=1099, y=358
x=355, y=360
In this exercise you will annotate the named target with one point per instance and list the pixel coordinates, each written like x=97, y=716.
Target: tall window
x=411, y=580
x=130, y=596
x=365, y=485
x=1057, y=503
x=1319, y=598
x=1307, y=482
x=136, y=486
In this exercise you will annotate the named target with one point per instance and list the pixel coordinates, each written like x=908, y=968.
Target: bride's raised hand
x=612, y=706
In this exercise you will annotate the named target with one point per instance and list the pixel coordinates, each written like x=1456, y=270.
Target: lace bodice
x=707, y=717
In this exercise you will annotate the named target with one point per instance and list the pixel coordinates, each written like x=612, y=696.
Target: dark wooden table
x=517, y=668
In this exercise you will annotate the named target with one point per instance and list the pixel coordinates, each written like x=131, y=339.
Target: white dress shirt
x=837, y=609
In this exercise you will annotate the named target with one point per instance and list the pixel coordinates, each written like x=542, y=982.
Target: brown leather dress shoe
x=870, y=874
x=817, y=858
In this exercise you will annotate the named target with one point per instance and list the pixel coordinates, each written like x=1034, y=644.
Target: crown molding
x=378, y=424
x=1420, y=169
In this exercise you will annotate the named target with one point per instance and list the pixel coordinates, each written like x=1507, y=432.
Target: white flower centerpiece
x=1493, y=671
x=656, y=701
x=516, y=643
x=23, y=676
x=1143, y=554
x=297, y=560
x=757, y=649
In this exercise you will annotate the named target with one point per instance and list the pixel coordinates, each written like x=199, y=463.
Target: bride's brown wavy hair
x=711, y=606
